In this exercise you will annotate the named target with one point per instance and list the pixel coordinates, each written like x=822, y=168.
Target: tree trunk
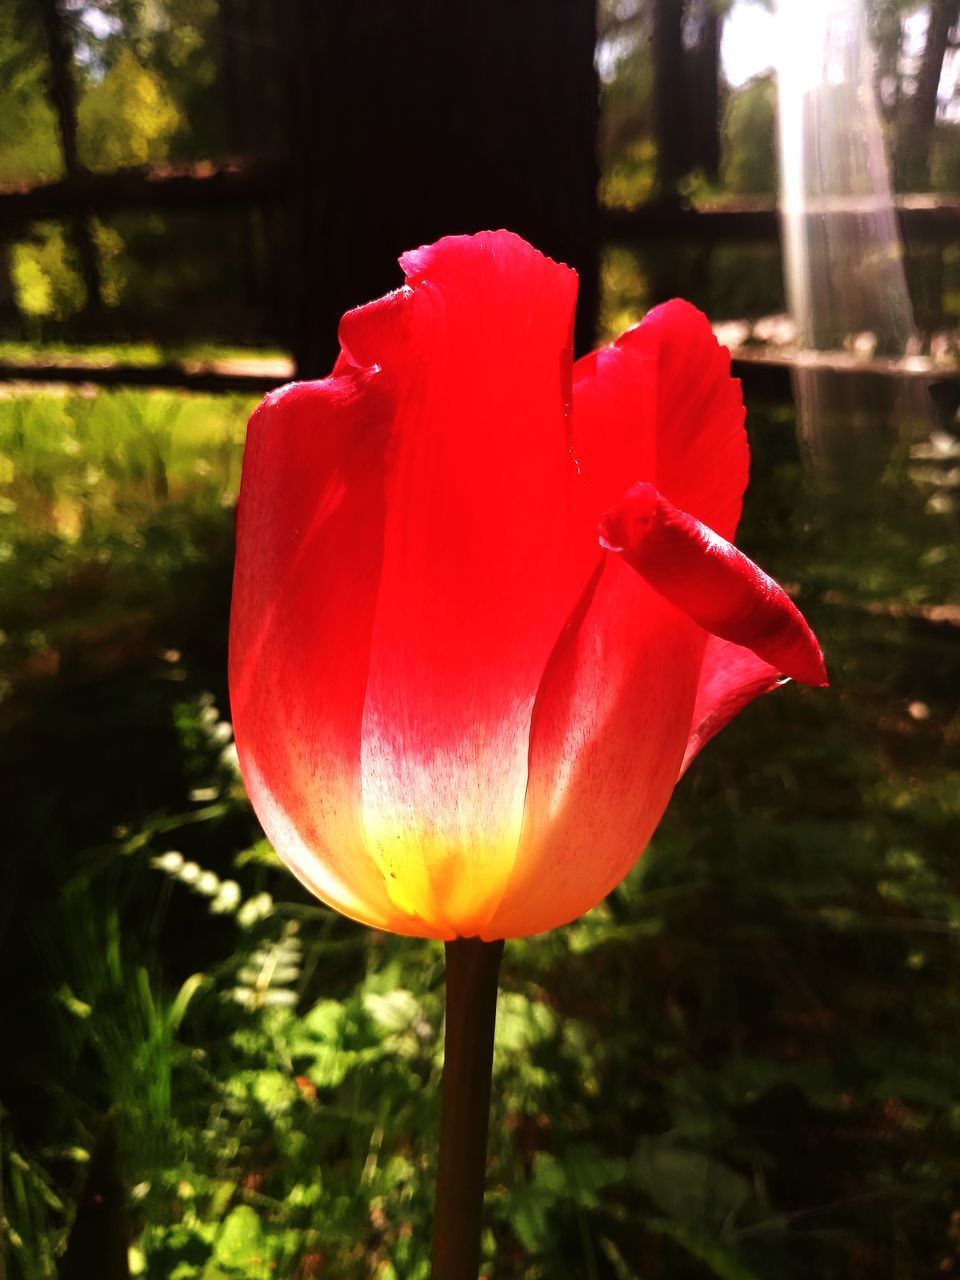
x=703, y=87
x=920, y=114
x=670, y=106
x=409, y=122
x=9, y=315
x=62, y=92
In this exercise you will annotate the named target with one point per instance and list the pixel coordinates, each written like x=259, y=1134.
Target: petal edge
x=712, y=582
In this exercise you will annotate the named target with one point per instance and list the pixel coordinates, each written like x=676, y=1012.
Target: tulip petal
x=613, y=711
x=615, y=705
x=309, y=548
x=609, y=731
x=660, y=404
x=731, y=676
x=478, y=569
x=710, y=580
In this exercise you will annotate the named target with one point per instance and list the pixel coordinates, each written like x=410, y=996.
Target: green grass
x=742, y=1065
x=103, y=499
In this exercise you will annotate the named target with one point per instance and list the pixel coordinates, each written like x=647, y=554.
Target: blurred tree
x=626, y=147
x=28, y=140
x=945, y=158
x=703, y=26
x=63, y=99
x=670, y=105
x=886, y=20
x=750, y=142
x=29, y=149
x=662, y=95
x=46, y=274
x=919, y=110
x=163, y=52
x=126, y=118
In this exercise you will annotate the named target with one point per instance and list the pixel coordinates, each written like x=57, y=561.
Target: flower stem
x=472, y=968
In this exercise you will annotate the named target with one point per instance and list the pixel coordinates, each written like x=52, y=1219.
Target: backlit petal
x=309, y=547
x=478, y=575
x=609, y=732
x=659, y=405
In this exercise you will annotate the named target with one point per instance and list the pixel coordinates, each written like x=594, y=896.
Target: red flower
x=458, y=710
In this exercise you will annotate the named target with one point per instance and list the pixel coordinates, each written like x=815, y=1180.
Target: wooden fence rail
x=157, y=188
x=240, y=183
x=765, y=373
x=933, y=218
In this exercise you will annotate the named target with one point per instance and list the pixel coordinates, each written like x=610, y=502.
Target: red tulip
x=485, y=609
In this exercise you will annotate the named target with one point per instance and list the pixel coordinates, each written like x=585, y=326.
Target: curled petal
x=377, y=334
x=730, y=677
x=712, y=582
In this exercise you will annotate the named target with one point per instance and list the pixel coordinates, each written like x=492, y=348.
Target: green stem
x=472, y=968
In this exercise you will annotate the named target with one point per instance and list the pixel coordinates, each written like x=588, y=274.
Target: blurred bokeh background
x=745, y=1064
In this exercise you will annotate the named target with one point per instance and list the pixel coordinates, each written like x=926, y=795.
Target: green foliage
x=630, y=178
x=626, y=144
x=750, y=139
x=161, y=56
x=625, y=292
x=726, y=281
x=29, y=145
x=127, y=118
x=945, y=159
x=114, y=488
x=46, y=274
